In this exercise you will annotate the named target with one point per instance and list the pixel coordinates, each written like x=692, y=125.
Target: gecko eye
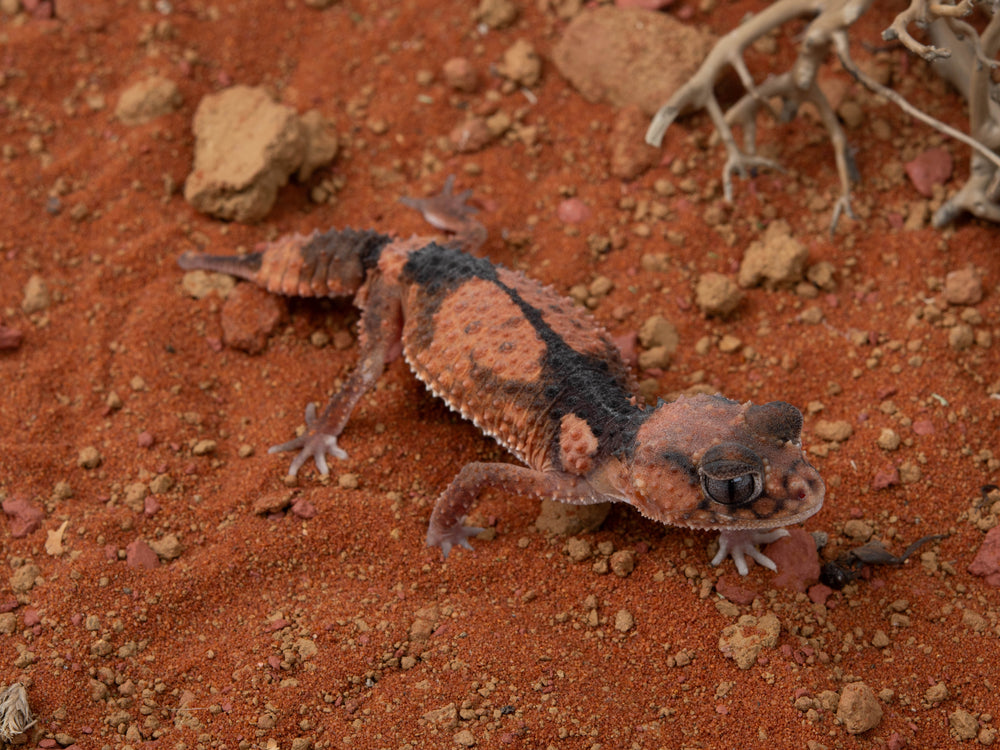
x=731, y=474
x=736, y=491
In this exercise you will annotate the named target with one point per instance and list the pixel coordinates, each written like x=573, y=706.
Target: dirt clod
x=148, y=99
x=858, y=709
x=629, y=56
x=246, y=147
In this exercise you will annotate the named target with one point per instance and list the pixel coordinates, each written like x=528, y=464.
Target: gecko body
x=543, y=378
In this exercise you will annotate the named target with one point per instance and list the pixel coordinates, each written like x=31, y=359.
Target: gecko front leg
x=742, y=543
x=447, y=529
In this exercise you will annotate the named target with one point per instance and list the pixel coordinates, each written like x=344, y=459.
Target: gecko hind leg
x=449, y=212
x=380, y=329
x=313, y=443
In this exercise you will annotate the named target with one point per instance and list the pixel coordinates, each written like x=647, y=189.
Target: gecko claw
x=741, y=543
x=311, y=444
x=458, y=535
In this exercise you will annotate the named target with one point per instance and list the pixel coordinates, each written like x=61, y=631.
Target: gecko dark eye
x=731, y=474
x=736, y=491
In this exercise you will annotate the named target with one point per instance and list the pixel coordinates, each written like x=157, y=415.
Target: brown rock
x=629, y=56
x=471, y=135
x=496, y=14
x=717, y=295
x=564, y=518
x=460, y=75
x=630, y=154
x=963, y=287
x=521, y=64
x=776, y=260
x=858, y=709
x=321, y=143
x=249, y=316
x=246, y=146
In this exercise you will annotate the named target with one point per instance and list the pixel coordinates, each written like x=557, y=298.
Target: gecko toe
x=314, y=445
x=457, y=536
x=743, y=543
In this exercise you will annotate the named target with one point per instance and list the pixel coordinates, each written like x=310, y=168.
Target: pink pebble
x=885, y=477
x=138, y=554
x=932, y=167
x=304, y=509
x=987, y=560
x=573, y=211
x=818, y=593
x=733, y=590
x=24, y=518
x=797, y=560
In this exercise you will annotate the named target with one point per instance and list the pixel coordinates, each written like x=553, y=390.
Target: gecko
x=542, y=377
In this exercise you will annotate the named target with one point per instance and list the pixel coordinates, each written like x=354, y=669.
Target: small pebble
x=204, y=447
x=89, y=458
x=717, y=295
x=888, y=440
x=624, y=621
x=572, y=211
x=623, y=563
x=36, y=295
x=932, y=167
x=459, y=74
x=833, y=431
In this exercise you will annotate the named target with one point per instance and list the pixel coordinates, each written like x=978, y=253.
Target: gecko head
x=711, y=463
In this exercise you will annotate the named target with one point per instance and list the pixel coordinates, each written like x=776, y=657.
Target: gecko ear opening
x=731, y=474
x=776, y=418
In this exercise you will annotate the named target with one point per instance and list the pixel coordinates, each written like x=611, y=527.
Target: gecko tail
x=240, y=266
x=327, y=264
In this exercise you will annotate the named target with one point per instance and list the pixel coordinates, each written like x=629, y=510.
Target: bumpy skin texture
x=545, y=380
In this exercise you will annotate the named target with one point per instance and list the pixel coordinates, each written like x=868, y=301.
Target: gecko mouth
x=764, y=513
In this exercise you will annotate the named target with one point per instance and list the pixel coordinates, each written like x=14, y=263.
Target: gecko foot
x=450, y=212
x=311, y=444
x=458, y=535
x=740, y=543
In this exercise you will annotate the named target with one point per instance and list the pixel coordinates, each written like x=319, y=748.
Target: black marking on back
x=338, y=246
x=574, y=382
x=437, y=268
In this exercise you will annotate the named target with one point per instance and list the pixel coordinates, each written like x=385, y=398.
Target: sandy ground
x=131, y=429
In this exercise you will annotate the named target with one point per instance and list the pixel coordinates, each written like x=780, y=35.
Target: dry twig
x=962, y=55
x=15, y=714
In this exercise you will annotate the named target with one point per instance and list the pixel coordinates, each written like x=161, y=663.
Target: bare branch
x=697, y=92
x=916, y=13
x=961, y=10
x=842, y=45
